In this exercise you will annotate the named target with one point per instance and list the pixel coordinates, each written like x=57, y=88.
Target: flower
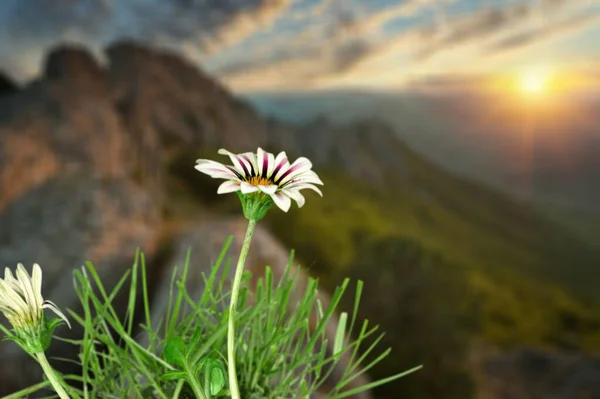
x=22, y=303
x=264, y=176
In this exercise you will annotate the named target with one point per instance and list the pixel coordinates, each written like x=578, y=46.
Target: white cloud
x=273, y=43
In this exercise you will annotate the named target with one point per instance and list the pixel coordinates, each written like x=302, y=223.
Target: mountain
x=541, y=150
x=95, y=161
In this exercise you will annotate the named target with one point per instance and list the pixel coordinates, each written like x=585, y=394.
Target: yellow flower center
x=259, y=181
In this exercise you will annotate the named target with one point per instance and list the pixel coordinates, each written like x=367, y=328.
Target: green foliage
x=282, y=342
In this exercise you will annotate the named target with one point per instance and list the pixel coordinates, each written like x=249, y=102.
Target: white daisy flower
x=21, y=299
x=264, y=173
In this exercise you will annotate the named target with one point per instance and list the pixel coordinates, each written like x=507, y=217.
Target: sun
x=534, y=82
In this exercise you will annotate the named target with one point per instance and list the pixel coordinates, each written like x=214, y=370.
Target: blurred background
x=459, y=143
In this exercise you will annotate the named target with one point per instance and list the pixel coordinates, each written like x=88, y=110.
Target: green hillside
x=584, y=226
x=444, y=261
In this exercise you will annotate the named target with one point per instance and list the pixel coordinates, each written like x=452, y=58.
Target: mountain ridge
x=543, y=152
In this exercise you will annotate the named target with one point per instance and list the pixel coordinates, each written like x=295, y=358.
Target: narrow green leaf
x=340, y=334
x=374, y=384
x=174, y=375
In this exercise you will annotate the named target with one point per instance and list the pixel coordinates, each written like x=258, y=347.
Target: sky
x=265, y=45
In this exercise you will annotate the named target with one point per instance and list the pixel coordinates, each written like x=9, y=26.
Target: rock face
x=160, y=94
x=83, y=176
x=78, y=68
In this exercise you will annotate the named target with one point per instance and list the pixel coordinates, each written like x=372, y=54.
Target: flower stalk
x=51, y=375
x=237, y=280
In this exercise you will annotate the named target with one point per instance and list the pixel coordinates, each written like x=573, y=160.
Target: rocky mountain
x=96, y=160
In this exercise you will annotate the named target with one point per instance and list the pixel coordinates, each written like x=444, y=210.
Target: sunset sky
x=291, y=44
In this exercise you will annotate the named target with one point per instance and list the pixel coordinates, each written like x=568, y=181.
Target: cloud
x=401, y=11
x=334, y=43
x=296, y=68
x=510, y=26
x=474, y=27
x=487, y=32
x=299, y=42
x=210, y=25
x=538, y=34
x=287, y=74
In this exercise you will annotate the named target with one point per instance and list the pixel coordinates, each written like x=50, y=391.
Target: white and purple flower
x=264, y=173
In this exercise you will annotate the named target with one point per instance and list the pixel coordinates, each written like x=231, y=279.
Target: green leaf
x=195, y=338
x=217, y=378
x=214, y=374
x=53, y=323
x=174, y=375
x=340, y=334
x=175, y=351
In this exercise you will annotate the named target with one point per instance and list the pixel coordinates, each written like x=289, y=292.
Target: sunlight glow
x=534, y=82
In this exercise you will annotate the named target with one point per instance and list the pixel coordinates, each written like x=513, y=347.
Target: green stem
x=52, y=377
x=196, y=387
x=237, y=280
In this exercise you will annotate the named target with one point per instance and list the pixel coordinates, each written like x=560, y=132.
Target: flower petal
x=50, y=305
x=309, y=177
x=300, y=166
x=11, y=280
x=36, y=281
x=216, y=170
x=25, y=284
x=268, y=189
x=302, y=186
x=240, y=164
x=301, y=180
x=12, y=299
x=296, y=196
x=250, y=159
x=248, y=188
x=264, y=161
x=230, y=186
x=270, y=165
x=282, y=201
x=281, y=164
